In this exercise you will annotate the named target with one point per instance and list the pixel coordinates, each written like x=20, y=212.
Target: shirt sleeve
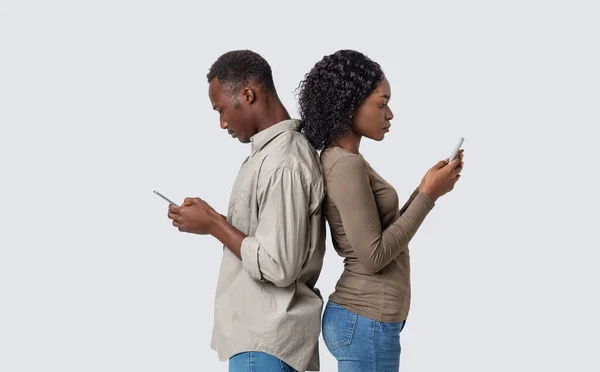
x=277, y=251
x=349, y=187
x=409, y=201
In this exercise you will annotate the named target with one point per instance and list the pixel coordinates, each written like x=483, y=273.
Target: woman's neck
x=349, y=142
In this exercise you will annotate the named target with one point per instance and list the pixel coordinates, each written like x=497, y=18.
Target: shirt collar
x=260, y=139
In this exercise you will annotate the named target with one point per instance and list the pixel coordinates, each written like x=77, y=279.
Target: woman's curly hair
x=332, y=91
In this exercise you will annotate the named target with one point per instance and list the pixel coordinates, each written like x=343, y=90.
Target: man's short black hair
x=238, y=67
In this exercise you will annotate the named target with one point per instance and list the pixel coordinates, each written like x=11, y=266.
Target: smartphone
x=164, y=197
x=455, y=152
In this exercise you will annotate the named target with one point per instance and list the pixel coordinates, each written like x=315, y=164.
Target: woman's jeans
x=255, y=361
x=361, y=344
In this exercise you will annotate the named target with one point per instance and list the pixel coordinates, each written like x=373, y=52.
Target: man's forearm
x=227, y=234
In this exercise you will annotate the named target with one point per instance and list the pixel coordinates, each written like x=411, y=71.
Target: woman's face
x=372, y=117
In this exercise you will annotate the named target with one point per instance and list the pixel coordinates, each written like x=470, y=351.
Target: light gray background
x=100, y=102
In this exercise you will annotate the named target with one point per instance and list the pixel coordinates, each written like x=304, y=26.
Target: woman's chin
x=378, y=137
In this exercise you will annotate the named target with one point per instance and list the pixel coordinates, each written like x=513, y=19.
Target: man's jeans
x=255, y=361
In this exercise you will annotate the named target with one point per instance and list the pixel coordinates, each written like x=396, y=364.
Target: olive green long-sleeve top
x=371, y=233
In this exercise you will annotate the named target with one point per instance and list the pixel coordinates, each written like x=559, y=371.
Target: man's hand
x=194, y=216
x=197, y=217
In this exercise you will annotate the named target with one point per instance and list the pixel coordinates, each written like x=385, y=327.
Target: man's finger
x=173, y=209
x=189, y=201
x=172, y=215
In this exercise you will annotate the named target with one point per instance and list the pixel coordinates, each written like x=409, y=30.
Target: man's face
x=233, y=112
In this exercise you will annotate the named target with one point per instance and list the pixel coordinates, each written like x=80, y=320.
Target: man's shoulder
x=292, y=150
x=290, y=139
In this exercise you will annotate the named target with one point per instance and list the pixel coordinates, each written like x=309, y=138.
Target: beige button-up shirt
x=268, y=301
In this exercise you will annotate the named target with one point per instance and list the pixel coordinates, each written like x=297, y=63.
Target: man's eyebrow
x=385, y=96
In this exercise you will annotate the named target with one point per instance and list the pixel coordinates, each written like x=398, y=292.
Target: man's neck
x=274, y=112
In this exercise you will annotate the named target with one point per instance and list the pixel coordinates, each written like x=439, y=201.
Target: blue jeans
x=255, y=361
x=361, y=344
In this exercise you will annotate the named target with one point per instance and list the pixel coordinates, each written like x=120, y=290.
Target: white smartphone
x=455, y=152
x=164, y=197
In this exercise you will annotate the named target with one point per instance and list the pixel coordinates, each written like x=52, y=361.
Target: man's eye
x=382, y=105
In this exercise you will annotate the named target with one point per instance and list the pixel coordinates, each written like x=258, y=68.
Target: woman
x=344, y=98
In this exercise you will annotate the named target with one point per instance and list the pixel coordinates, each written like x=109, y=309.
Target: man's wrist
x=226, y=233
x=216, y=222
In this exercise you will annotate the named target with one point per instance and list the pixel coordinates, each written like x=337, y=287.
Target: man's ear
x=249, y=95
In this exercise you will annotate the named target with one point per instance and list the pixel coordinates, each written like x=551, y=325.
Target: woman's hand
x=442, y=177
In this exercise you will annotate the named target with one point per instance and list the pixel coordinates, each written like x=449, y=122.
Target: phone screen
x=164, y=197
x=455, y=152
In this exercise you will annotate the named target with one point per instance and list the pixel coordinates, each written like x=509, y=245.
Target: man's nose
x=224, y=124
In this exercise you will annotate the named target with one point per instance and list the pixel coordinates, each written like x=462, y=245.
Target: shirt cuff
x=427, y=201
x=249, y=253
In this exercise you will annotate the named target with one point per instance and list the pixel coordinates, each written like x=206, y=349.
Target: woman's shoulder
x=339, y=160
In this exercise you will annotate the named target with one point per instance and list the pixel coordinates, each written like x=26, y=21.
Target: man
x=267, y=309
